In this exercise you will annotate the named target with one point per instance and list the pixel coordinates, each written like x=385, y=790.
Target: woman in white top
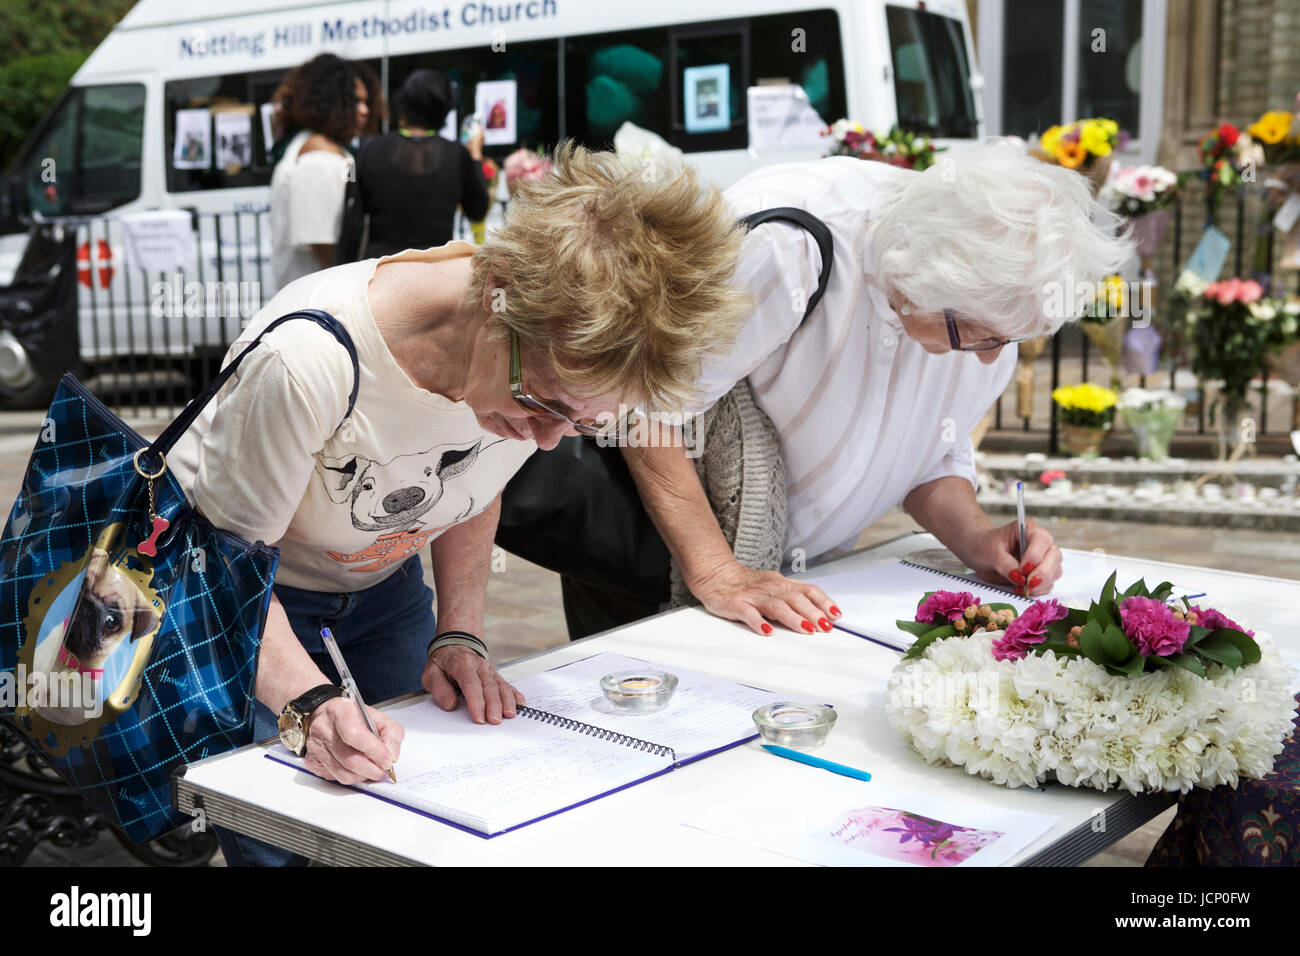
x=875, y=396
x=320, y=106
x=601, y=289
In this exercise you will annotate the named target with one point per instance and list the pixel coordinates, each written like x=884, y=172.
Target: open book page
x=705, y=713
x=873, y=599
x=491, y=778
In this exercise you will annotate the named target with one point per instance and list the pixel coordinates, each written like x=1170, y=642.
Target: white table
x=245, y=791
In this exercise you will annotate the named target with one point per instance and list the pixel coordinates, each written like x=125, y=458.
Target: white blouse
x=864, y=413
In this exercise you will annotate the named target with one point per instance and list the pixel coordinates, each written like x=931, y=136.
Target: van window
x=238, y=151
x=931, y=74
x=532, y=66
x=87, y=158
x=688, y=84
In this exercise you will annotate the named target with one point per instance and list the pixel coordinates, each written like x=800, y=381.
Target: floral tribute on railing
x=1137, y=692
x=898, y=147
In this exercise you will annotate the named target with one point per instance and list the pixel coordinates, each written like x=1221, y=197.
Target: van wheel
x=35, y=395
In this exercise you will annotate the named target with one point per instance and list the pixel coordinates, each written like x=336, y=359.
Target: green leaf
x=1186, y=661
x=1108, y=592
x=1091, y=643
x=1058, y=647
x=1116, y=646
x=1133, y=666
x=1223, y=651
x=1162, y=591
x=925, y=640
x=1240, y=640
x=1137, y=589
x=1196, y=634
x=916, y=628
x=1003, y=607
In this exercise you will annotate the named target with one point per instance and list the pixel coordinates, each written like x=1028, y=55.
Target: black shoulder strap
x=185, y=419
x=820, y=233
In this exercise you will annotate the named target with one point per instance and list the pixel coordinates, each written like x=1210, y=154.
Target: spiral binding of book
x=568, y=723
x=966, y=581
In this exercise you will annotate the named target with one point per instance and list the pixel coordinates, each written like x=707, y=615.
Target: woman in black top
x=412, y=179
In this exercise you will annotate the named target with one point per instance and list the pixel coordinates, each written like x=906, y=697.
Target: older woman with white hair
x=874, y=396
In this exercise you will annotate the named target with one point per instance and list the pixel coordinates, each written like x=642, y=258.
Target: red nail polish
x=767, y=628
x=1029, y=567
x=824, y=624
x=1035, y=581
x=1017, y=577
x=807, y=626
x=836, y=611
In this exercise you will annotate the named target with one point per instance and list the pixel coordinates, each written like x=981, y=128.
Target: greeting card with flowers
x=909, y=837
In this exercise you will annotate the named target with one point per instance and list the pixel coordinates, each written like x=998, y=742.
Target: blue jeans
x=384, y=634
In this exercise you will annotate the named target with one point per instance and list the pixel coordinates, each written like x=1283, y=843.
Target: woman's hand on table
x=488, y=695
x=739, y=593
x=997, y=561
x=341, y=747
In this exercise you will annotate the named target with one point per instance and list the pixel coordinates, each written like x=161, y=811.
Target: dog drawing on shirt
x=397, y=494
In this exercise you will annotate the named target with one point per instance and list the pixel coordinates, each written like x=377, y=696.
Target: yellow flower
x=1272, y=127
x=1085, y=397
x=1094, y=138
x=1112, y=293
x=1050, y=139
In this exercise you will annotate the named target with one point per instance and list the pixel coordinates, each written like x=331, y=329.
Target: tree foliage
x=42, y=43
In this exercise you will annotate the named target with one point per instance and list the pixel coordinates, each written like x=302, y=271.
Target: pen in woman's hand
x=350, y=685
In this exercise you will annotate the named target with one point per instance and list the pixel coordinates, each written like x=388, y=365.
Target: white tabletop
x=643, y=824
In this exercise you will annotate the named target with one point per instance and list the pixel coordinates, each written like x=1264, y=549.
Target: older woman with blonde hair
x=601, y=289
x=871, y=398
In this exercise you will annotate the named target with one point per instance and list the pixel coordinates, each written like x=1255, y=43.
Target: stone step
x=1150, y=504
x=1261, y=472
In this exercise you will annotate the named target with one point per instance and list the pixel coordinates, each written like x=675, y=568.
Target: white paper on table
x=780, y=118
x=704, y=714
x=159, y=241
x=234, y=132
x=491, y=778
x=193, y=148
x=496, y=101
x=820, y=817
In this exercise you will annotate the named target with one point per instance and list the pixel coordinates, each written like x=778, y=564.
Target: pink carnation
x=1151, y=625
x=945, y=606
x=1028, y=629
x=1209, y=617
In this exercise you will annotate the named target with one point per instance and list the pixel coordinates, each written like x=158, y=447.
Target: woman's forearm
x=462, y=560
x=946, y=507
x=676, y=503
x=284, y=669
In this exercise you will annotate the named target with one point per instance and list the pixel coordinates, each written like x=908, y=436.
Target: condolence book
x=567, y=747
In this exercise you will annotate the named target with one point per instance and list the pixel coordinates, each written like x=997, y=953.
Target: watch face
x=291, y=732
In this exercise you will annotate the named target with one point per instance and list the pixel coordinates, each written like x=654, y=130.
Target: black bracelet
x=458, y=638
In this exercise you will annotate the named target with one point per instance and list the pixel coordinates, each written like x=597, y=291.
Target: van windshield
x=931, y=74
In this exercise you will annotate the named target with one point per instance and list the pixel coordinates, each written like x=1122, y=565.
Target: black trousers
x=575, y=510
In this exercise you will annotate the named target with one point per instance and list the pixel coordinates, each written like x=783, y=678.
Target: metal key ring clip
x=144, y=474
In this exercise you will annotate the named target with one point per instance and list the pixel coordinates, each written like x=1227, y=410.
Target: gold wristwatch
x=295, y=719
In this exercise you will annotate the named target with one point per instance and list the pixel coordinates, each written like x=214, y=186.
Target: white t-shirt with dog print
x=272, y=459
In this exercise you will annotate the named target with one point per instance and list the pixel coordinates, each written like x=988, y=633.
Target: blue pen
x=839, y=768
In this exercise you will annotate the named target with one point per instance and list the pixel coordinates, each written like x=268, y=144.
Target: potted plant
x=1145, y=195
x=1087, y=411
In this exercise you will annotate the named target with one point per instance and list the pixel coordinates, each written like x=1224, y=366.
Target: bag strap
x=820, y=233
x=185, y=419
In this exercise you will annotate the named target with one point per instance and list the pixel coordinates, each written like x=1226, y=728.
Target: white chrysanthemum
x=1020, y=723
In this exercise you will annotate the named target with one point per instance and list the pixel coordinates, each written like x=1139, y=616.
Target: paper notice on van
x=780, y=118
x=193, y=149
x=160, y=241
x=234, y=140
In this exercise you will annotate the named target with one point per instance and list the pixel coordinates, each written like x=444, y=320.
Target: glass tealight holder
x=797, y=726
x=639, y=692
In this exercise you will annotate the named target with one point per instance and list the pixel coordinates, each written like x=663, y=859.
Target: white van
x=680, y=68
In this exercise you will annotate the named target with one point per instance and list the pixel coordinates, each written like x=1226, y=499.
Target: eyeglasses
x=983, y=345
x=585, y=426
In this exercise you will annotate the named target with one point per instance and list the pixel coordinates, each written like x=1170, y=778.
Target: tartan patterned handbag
x=129, y=625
